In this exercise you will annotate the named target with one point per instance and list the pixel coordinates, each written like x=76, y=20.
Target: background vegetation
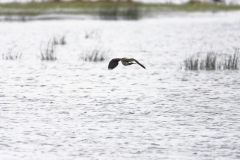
x=104, y=9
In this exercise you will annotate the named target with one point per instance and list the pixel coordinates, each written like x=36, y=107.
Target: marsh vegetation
x=101, y=9
x=48, y=52
x=12, y=54
x=95, y=54
x=212, y=61
x=59, y=40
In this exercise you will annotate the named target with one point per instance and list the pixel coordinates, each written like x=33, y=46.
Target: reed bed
x=212, y=61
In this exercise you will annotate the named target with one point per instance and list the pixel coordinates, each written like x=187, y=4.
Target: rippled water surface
x=71, y=109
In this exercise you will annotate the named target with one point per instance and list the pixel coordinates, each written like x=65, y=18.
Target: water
x=70, y=109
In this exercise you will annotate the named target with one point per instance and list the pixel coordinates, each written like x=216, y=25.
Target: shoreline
x=105, y=10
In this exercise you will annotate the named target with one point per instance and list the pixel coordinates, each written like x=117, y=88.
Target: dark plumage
x=125, y=61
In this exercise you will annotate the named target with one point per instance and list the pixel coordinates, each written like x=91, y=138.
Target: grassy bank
x=132, y=10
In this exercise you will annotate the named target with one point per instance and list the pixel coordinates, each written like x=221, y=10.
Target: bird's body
x=125, y=61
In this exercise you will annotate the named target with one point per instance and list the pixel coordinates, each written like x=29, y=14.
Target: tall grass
x=96, y=54
x=12, y=54
x=59, y=40
x=191, y=62
x=212, y=61
x=48, y=53
x=232, y=61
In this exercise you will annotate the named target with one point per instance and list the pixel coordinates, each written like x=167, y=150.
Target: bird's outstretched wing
x=113, y=63
x=138, y=63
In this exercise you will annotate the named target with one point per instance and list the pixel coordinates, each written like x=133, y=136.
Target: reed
x=191, y=62
x=63, y=40
x=12, y=54
x=96, y=54
x=231, y=62
x=212, y=61
x=59, y=40
x=48, y=54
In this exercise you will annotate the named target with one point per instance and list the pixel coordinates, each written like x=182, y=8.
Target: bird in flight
x=125, y=61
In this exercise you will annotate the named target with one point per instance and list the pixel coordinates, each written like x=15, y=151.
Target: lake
x=74, y=109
